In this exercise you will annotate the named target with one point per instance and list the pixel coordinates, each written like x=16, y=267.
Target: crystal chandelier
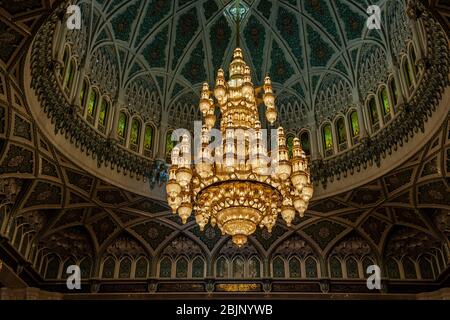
x=238, y=185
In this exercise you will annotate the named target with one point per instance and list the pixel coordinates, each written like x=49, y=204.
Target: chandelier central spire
x=238, y=184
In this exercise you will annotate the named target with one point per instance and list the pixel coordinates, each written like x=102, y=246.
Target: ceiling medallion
x=234, y=181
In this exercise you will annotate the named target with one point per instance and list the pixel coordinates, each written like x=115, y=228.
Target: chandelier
x=239, y=184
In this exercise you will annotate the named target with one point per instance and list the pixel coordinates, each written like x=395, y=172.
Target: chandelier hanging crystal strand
x=234, y=186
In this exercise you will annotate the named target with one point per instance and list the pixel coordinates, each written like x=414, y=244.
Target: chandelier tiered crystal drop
x=234, y=185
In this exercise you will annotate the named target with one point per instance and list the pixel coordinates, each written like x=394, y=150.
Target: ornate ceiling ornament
x=237, y=186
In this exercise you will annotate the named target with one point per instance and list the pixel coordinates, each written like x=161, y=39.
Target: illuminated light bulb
x=307, y=192
x=288, y=214
x=210, y=119
x=300, y=205
x=173, y=189
x=174, y=203
x=184, y=176
x=283, y=170
x=271, y=115
x=299, y=180
x=184, y=211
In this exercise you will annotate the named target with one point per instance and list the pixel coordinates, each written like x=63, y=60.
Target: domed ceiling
x=307, y=47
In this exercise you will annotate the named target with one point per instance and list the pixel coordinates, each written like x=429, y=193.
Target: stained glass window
x=169, y=145
x=342, y=133
x=84, y=89
x=222, y=268
x=52, y=268
x=373, y=111
x=335, y=267
x=409, y=268
x=354, y=123
x=311, y=268
x=69, y=74
x=278, y=268
x=413, y=58
x=182, y=268
x=408, y=73
x=198, y=268
x=66, y=61
x=394, y=91
x=290, y=144
x=165, y=268
x=327, y=137
x=385, y=101
x=93, y=101
x=85, y=267
x=238, y=268
x=108, y=268
x=426, y=270
x=254, y=268
x=305, y=141
x=352, y=268
x=135, y=132
x=148, y=137
x=294, y=268
x=392, y=269
x=122, y=126
x=141, y=268
x=103, y=113
x=125, y=268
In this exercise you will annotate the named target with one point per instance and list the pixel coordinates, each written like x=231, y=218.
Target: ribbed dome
x=320, y=54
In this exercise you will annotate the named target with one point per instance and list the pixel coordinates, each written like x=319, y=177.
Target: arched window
x=327, y=140
x=135, y=135
x=394, y=91
x=108, y=268
x=92, y=105
x=294, y=268
x=392, y=269
x=148, y=140
x=86, y=266
x=278, y=268
x=238, y=267
x=305, y=142
x=68, y=78
x=125, y=268
x=374, y=119
x=103, y=115
x=386, y=106
x=342, y=134
x=84, y=90
x=408, y=74
x=366, y=263
x=52, y=268
x=413, y=58
x=182, y=268
x=354, y=124
x=290, y=144
x=222, y=268
x=169, y=146
x=311, y=268
x=335, y=267
x=65, y=61
x=69, y=262
x=165, y=268
x=352, y=268
x=141, y=268
x=426, y=269
x=409, y=268
x=122, y=127
x=198, y=268
x=254, y=268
